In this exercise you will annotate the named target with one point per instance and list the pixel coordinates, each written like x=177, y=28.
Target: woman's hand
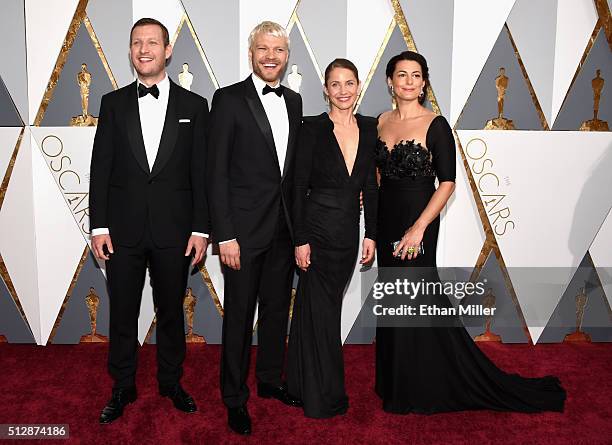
x=368, y=251
x=302, y=256
x=411, y=239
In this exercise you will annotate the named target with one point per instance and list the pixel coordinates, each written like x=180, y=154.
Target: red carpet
x=69, y=384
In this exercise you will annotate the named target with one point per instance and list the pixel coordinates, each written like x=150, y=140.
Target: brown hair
x=149, y=21
x=341, y=63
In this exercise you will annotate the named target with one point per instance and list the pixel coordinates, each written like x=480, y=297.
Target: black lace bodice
x=407, y=159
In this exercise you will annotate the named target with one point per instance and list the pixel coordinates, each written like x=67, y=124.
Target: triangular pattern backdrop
x=532, y=198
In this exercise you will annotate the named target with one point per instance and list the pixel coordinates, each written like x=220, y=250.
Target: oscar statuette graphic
x=596, y=124
x=294, y=79
x=578, y=335
x=84, y=81
x=500, y=122
x=92, y=301
x=189, y=304
x=185, y=77
x=488, y=302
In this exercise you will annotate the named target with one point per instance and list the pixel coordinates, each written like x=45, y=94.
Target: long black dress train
x=326, y=216
x=436, y=369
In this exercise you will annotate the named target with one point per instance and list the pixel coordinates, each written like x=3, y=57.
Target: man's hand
x=199, y=244
x=97, y=245
x=302, y=256
x=230, y=254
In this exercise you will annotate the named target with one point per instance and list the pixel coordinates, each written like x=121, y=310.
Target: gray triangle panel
x=186, y=51
x=13, y=66
x=364, y=327
x=66, y=100
x=482, y=103
x=326, y=34
x=377, y=98
x=597, y=319
x=75, y=320
x=207, y=321
x=435, y=43
x=311, y=88
x=12, y=325
x=217, y=27
x=9, y=117
x=578, y=105
x=506, y=322
x=112, y=22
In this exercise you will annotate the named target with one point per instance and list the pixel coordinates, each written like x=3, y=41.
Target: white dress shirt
x=278, y=117
x=276, y=110
x=152, y=117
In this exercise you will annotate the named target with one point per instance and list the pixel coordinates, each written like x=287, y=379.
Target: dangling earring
x=392, y=91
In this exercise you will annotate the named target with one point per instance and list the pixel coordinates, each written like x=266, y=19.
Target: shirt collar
x=260, y=84
x=163, y=85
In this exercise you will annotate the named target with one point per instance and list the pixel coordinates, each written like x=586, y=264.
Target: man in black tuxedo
x=148, y=207
x=253, y=134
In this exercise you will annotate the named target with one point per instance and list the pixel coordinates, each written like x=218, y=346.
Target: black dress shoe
x=114, y=408
x=182, y=401
x=239, y=420
x=279, y=392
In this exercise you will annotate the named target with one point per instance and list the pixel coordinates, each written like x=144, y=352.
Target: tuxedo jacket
x=247, y=186
x=124, y=195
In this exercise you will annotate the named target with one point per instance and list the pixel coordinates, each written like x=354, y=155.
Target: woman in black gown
x=334, y=163
x=431, y=369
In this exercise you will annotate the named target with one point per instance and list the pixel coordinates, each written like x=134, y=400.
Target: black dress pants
x=126, y=271
x=266, y=273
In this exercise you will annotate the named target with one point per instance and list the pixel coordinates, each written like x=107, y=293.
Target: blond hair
x=270, y=28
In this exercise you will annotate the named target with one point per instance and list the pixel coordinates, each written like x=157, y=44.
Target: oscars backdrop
x=525, y=85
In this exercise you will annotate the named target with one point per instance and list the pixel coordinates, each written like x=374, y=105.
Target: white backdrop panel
x=17, y=243
x=47, y=22
x=461, y=233
x=533, y=26
x=476, y=26
x=601, y=254
x=8, y=140
x=67, y=152
x=575, y=23
x=367, y=23
x=59, y=243
x=546, y=195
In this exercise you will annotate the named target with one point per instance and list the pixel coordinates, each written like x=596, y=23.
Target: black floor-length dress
x=326, y=216
x=436, y=369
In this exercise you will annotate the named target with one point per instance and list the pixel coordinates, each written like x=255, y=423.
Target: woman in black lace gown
x=431, y=369
x=334, y=163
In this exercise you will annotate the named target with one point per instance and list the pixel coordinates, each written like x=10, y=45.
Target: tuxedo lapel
x=259, y=113
x=169, y=133
x=295, y=119
x=134, y=129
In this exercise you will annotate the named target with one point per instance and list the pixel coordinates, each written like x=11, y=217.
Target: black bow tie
x=278, y=90
x=143, y=90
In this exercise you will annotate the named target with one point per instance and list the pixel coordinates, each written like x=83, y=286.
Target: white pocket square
x=184, y=120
